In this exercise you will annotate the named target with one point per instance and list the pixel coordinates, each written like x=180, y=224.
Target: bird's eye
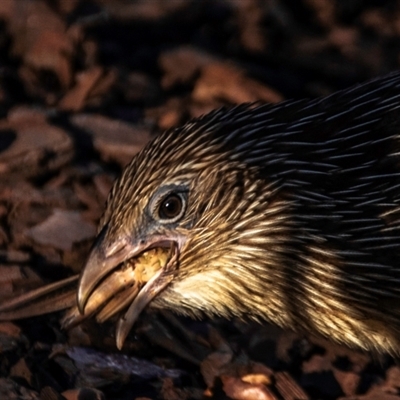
x=171, y=207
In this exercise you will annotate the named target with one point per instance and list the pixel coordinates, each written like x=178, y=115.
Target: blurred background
x=161, y=62
x=83, y=86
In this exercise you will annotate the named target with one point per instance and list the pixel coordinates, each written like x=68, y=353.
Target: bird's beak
x=110, y=279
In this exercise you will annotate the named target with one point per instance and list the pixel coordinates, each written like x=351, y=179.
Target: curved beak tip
x=81, y=299
x=86, y=284
x=96, y=267
x=119, y=341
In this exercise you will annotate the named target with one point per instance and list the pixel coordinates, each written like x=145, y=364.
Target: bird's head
x=189, y=193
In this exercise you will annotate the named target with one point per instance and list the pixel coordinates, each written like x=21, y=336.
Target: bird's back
x=336, y=161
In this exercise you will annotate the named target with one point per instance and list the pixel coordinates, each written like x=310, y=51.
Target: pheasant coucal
x=288, y=213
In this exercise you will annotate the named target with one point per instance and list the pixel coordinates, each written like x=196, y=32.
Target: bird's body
x=288, y=213
x=291, y=214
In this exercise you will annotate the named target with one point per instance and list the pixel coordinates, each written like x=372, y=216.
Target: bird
x=286, y=213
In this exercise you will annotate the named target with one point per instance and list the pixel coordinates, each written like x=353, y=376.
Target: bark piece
x=116, y=141
x=224, y=81
x=12, y=390
x=62, y=229
x=236, y=389
x=31, y=146
x=181, y=65
x=90, y=84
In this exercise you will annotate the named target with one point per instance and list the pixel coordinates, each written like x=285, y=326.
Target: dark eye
x=171, y=208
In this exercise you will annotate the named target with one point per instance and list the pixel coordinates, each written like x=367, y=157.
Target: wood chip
x=83, y=394
x=10, y=329
x=86, y=81
x=12, y=390
x=34, y=145
x=62, y=229
x=227, y=82
x=116, y=141
x=348, y=381
x=22, y=370
x=181, y=65
x=317, y=363
x=236, y=389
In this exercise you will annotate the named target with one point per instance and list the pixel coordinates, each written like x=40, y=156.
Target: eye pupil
x=170, y=207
